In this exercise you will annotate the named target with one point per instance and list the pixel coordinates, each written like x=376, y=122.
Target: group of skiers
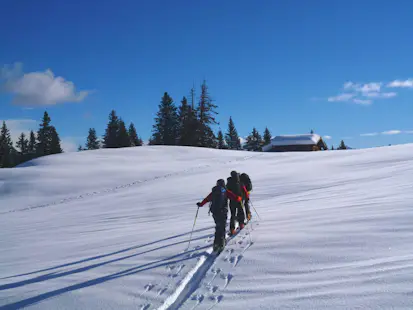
x=237, y=191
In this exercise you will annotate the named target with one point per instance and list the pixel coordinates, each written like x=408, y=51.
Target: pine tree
x=111, y=133
x=133, y=136
x=23, y=144
x=254, y=141
x=92, y=140
x=123, y=135
x=44, y=136
x=342, y=146
x=32, y=144
x=7, y=151
x=166, y=128
x=220, y=140
x=80, y=148
x=232, y=137
x=206, y=117
x=332, y=147
x=55, y=147
x=186, y=123
x=267, y=136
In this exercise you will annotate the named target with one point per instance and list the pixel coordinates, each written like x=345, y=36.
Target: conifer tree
x=186, y=122
x=92, y=140
x=32, y=144
x=206, y=117
x=80, y=148
x=342, y=146
x=111, y=132
x=123, y=135
x=231, y=137
x=332, y=147
x=55, y=147
x=254, y=140
x=44, y=136
x=23, y=144
x=220, y=140
x=7, y=151
x=267, y=136
x=133, y=136
x=48, y=141
x=166, y=128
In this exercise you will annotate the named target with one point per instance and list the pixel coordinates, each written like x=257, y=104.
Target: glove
x=239, y=198
x=198, y=204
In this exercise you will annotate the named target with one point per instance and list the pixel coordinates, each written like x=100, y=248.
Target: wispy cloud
x=38, y=88
x=391, y=132
x=71, y=144
x=401, y=84
x=327, y=137
x=362, y=101
x=341, y=97
x=371, y=134
x=362, y=94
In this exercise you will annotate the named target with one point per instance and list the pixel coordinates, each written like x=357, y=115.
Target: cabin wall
x=294, y=148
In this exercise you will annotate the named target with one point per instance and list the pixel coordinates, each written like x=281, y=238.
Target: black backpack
x=219, y=200
x=245, y=179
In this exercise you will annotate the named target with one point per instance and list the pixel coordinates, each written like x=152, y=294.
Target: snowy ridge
x=335, y=231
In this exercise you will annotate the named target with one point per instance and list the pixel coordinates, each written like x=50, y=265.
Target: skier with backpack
x=246, y=181
x=218, y=199
x=237, y=212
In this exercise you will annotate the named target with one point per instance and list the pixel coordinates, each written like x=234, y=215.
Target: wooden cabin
x=296, y=143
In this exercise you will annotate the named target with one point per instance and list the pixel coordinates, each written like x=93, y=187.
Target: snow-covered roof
x=305, y=139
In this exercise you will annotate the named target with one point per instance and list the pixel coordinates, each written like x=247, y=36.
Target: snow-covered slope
x=109, y=229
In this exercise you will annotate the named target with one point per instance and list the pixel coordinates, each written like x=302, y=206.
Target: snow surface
x=109, y=229
x=305, y=139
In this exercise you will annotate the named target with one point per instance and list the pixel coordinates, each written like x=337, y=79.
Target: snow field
x=108, y=229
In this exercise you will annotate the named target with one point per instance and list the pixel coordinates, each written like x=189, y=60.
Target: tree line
x=187, y=124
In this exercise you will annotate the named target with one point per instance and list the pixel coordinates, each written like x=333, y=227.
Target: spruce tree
x=133, y=136
x=123, y=136
x=231, y=137
x=80, y=148
x=220, y=140
x=111, y=133
x=342, y=146
x=7, y=151
x=44, y=136
x=92, y=140
x=186, y=120
x=32, y=144
x=267, y=136
x=166, y=128
x=23, y=144
x=254, y=140
x=206, y=118
x=332, y=147
x=55, y=147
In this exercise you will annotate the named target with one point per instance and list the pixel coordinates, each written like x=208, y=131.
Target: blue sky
x=343, y=69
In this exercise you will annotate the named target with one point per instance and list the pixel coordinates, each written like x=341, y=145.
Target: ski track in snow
x=125, y=186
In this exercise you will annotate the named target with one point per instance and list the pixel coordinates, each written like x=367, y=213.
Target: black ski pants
x=237, y=214
x=220, y=219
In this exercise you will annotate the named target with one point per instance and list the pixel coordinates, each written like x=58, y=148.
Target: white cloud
x=17, y=126
x=401, y=84
x=391, y=132
x=38, y=88
x=364, y=88
x=327, y=137
x=381, y=95
x=362, y=101
x=372, y=134
x=341, y=97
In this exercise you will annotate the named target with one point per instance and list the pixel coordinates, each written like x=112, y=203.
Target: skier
x=246, y=181
x=219, y=208
x=237, y=212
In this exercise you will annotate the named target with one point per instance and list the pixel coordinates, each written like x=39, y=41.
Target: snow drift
x=109, y=229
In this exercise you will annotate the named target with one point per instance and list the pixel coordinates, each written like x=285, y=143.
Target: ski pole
x=190, y=238
x=252, y=205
